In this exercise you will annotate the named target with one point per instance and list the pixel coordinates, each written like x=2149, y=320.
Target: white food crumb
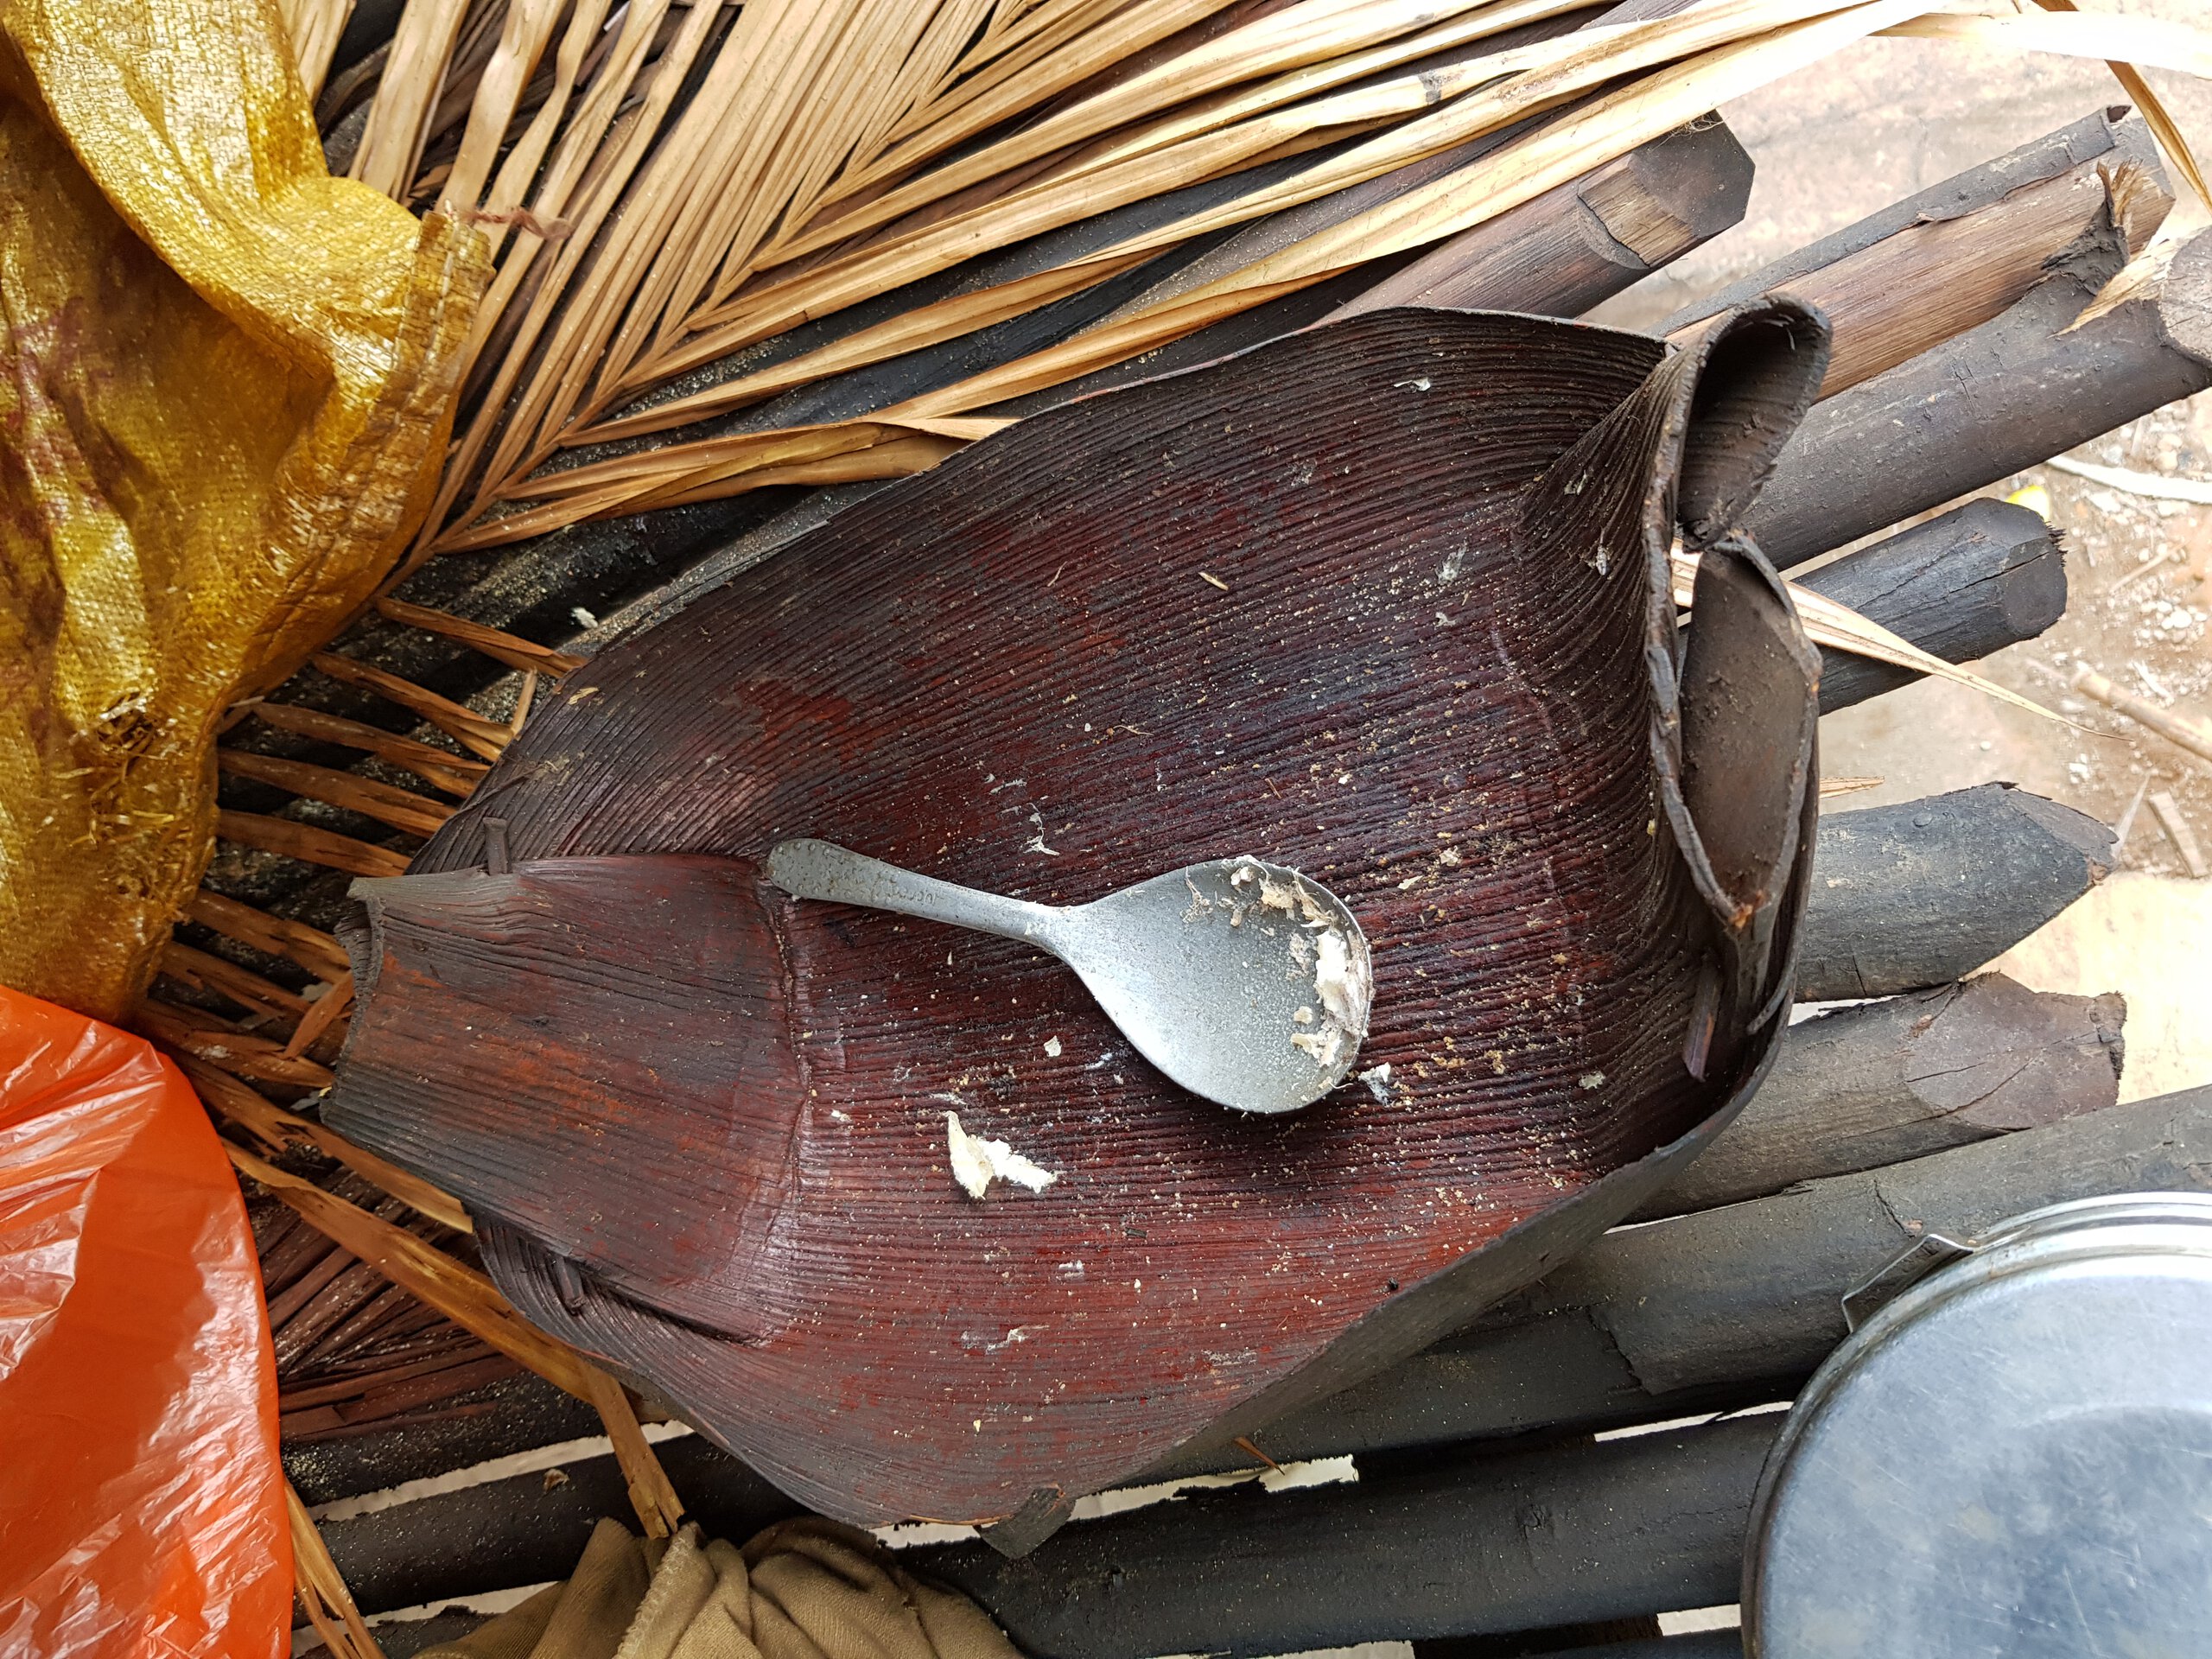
x=1340, y=985
x=1323, y=1044
x=1592, y=1079
x=584, y=617
x=1378, y=1079
x=1304, y=1016
x=1053, y=1047
x=977, y=1162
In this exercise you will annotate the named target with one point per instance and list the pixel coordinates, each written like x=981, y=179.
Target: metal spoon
x=1244, y=982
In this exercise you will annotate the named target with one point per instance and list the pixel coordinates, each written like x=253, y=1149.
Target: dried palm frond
x=675, y=189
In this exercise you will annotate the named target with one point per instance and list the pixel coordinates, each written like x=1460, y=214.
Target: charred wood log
x=1981, y=577
x=1924, y=893
x=1958, y=253
x=1463, y=1545
x=1729, y=1306
x=528, y=1528
x=2015, y=391
x=1887, y=1082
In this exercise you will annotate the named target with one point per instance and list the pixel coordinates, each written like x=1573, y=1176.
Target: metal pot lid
x=2010, y=1457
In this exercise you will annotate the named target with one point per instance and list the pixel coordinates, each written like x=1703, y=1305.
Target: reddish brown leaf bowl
x=1387, y=601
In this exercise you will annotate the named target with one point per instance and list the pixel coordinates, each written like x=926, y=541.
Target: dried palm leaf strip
x=308, y=843
x=1293, y=54
x=197, y=1033
x=322, y=1589
x=473, y=731
x=527, y=29
x=461, y=1293
x=1596, y=133
x=456, y=774
x=402, y=809
x=516, y=652
x=204, y=972
x=294, y=942
x=314, y=26
x=503, y=413
x=279, y=1131
x=513, y=179
x=391, y=143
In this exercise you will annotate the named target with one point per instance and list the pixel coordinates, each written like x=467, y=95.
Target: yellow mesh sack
x=227, y=380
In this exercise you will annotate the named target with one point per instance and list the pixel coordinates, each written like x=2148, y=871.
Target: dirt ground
x=1855, y=133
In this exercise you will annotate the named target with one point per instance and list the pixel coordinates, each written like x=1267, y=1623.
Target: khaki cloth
x=803, y=1589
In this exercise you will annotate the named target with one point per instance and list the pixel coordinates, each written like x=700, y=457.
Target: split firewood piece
x=1925, y=893
x=473, y=731
x=1579, y=244
x=1955, y=255
x=308, y=843
x=456, y=774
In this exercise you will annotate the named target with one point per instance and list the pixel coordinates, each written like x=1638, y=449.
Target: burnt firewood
x=2015, y=391
x=1935, y=264
x=1461, y=1546
x=1582, y=242
x=1887, y=1082
x=527, y=1529
x=1981, y=577
x=1728, y=1307
x=1926, y=892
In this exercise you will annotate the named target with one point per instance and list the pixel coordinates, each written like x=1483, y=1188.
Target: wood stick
x=1887, y=1082
x=1925, y=893
x=1981, y=577
x=1957, y=254
x=456, y=774
x=308, y=844
x=278, y=1130
x=192, y=1032
x=2177, y=830
x=2023, y=387
x=2195, y=735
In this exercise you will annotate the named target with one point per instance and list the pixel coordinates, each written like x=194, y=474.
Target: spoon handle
x=820, y=869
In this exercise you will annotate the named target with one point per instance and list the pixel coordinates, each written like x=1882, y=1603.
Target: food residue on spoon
x=1341, y=981
x=977, y=1162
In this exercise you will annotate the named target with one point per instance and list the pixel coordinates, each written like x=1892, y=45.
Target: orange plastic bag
x=142, y=1503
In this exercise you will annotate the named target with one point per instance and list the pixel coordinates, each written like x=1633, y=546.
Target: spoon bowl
x=1243, y=981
